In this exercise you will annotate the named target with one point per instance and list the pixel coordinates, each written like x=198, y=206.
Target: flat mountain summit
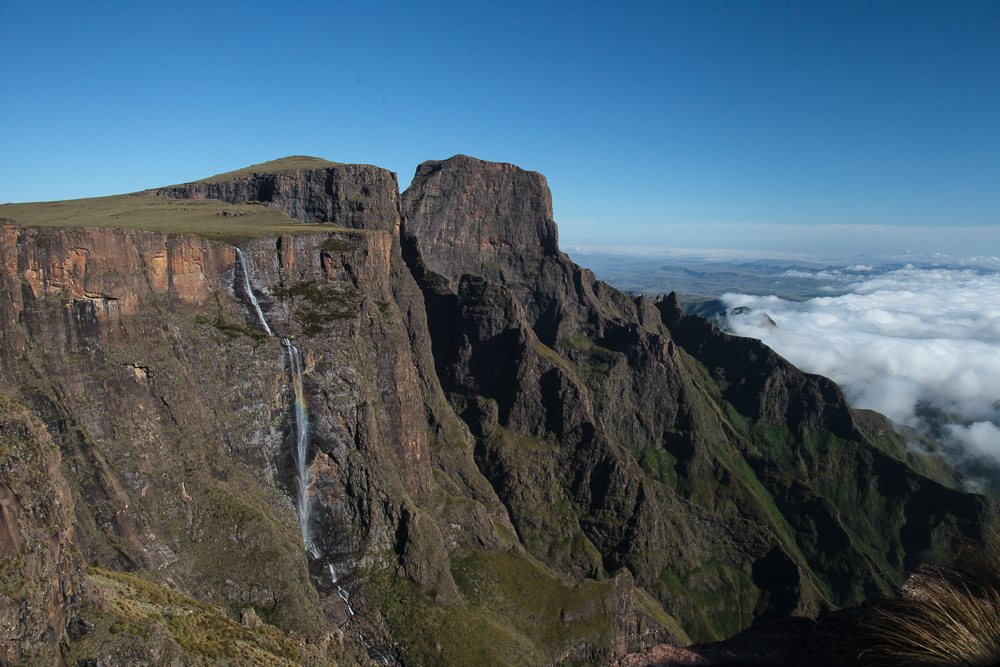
x=281, y=165
x=290, y=414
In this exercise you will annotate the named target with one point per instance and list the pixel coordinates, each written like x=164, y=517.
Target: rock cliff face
x=509, y=461
x=622, y=433
x=39, y=573
x=356, y=196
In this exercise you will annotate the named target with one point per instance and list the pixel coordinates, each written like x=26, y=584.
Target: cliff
x=39, y=570
x=505, y=460
x=622, y=433
x=355, y=196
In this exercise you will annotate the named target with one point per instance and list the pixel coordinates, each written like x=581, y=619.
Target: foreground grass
x=132, y=618
x=946, y=614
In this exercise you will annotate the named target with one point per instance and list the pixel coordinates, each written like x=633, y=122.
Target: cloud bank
x=921, y=346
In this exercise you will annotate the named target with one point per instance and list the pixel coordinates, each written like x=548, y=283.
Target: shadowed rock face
x=503, y=447
x=621, y=432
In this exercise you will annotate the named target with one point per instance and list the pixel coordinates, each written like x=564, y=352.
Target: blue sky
x=646, y=118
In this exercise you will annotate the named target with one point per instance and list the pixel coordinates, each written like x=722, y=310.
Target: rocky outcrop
x=463, y=235
x=356, y=196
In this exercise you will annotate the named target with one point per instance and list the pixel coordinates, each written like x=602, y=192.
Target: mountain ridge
x=637, y=476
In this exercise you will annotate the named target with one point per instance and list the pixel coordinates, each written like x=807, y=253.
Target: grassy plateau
x=154, y=212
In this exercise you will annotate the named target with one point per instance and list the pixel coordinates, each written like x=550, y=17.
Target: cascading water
x=250, y=294
x=303, y=502
x=375, y=652
x=301, y=414
x=301, y=445
x=340, y=590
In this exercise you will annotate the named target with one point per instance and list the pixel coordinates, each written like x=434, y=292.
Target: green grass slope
x=290, y=163
x=153, y=212
x=130, y=620
x=207, y=218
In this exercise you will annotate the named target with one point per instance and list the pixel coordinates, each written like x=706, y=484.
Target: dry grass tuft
x=944, y=615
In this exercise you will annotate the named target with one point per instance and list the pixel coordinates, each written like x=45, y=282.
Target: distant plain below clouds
x=920, y=345
x=771, y=240
x=858, y=262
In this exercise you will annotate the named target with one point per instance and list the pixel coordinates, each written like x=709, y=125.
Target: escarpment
x=507, y=461
x=356, y=196
x=173, y=410
x=623, y=433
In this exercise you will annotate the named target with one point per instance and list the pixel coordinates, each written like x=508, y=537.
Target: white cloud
x=980, y=438
x=816, y=275
x=906, y=343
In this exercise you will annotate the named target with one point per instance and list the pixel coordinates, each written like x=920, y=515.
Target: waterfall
x=301, y=444
x=250, y=294
x=302, y=501
x=375, y=652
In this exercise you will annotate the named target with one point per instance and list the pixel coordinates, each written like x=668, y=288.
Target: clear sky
x=647, y=118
